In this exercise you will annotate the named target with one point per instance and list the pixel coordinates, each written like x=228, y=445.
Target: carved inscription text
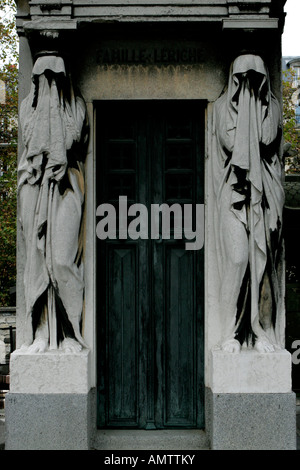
x=186, y=55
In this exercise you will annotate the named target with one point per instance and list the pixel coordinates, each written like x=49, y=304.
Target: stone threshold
x=191, y=439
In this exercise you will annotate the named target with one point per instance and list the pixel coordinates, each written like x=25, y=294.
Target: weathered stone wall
x=7, y=330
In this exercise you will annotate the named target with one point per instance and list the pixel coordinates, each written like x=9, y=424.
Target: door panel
x=179, y=338
x=122, y=341
x=150, y=292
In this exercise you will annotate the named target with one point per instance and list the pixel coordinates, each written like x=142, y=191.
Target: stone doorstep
x=151, y=440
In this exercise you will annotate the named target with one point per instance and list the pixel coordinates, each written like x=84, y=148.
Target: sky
x=291, y=33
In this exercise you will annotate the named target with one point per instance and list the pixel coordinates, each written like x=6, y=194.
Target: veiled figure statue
x=249, y=196
x=51, y=197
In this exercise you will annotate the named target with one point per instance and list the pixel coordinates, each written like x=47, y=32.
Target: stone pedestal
x=249, y=404
x=48, y=406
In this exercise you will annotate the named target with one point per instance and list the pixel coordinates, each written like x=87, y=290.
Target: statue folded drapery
x=249, y=196
x=51, y=197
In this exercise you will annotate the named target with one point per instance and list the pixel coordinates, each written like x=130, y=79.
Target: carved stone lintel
x=50, y=7
x=51, y=34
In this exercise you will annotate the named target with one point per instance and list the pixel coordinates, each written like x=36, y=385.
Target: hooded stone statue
x=51, y=196
x=249, y=196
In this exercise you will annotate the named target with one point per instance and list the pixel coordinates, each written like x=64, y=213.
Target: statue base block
x=251, y=372
x=50, y=372
x=49, y=405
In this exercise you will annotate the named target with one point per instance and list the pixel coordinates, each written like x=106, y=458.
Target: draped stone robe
x=51, y=196
x=249, y=197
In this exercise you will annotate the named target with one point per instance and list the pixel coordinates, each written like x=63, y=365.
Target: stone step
x=151, y=440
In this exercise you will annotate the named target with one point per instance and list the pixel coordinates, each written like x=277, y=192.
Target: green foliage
x=8, y=33
x=8, y=201
x=290, y=133
x=8, y=149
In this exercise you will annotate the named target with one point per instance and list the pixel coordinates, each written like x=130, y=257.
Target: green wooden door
x=150, y=292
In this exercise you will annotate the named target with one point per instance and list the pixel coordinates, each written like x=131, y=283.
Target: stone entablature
x=67, y=14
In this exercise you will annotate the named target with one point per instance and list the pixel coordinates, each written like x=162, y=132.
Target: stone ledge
x=250, y=372
x=49, y=24
x=50, y=372
x=250, y=23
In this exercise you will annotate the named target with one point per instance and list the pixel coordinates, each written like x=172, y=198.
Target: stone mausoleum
x=151, y=294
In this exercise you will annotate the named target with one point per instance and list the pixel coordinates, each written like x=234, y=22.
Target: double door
x=149, y=290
